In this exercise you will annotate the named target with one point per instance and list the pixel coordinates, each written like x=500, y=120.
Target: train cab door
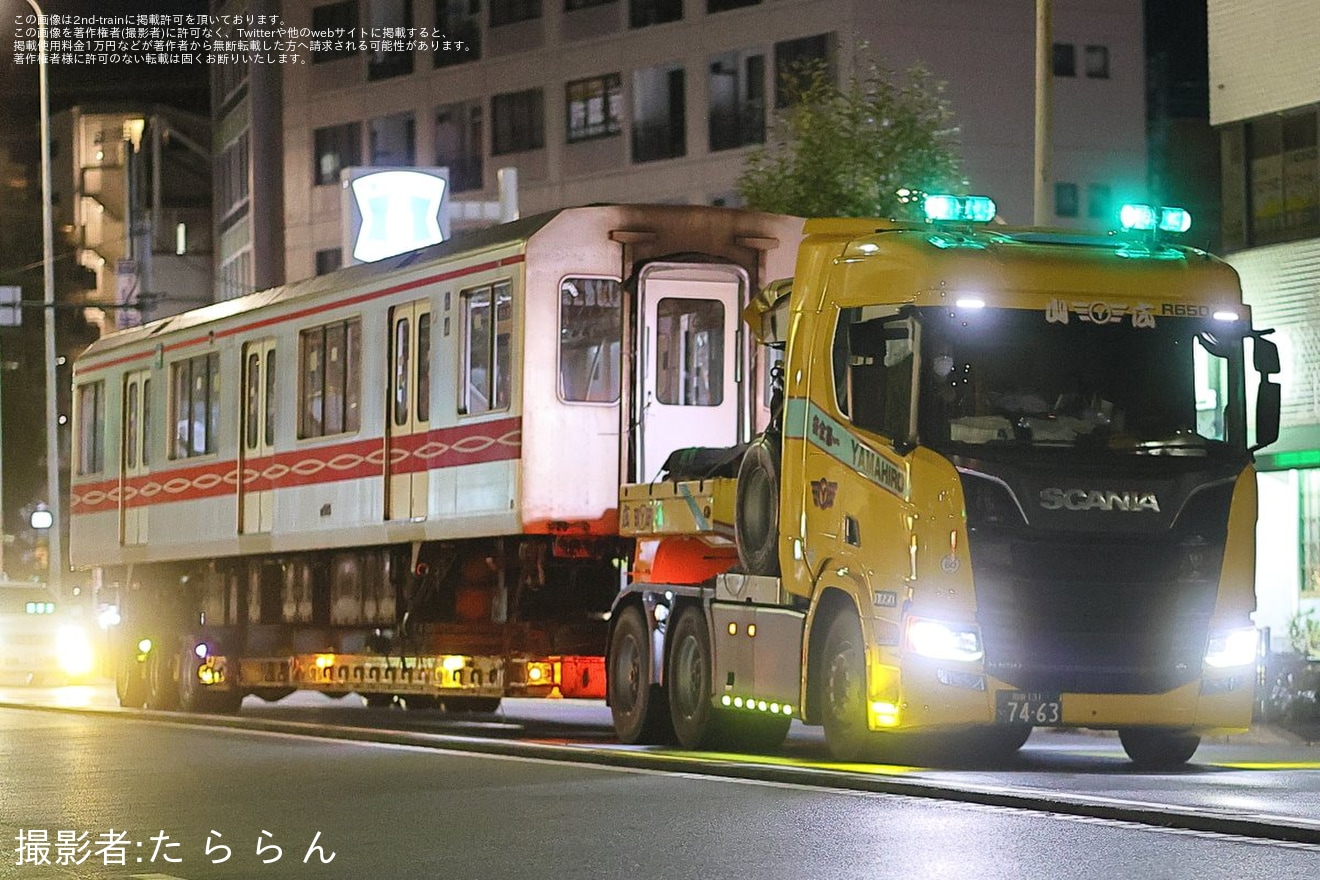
x=256, y=489
x=408, y=411
x=688, y=390
x=136, y=462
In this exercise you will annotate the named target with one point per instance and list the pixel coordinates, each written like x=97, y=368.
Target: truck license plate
x=1021, y=707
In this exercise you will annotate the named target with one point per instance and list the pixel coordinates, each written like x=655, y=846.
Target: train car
x=401, y=479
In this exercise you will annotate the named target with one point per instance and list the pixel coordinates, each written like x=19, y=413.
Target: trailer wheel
x=756, y=514
x=697, y=723
x=130, y=684
x=843, y=690
x=162, y=687
x=196, y=697
x=1154, y=749
x=482, y=705
x=639, y=708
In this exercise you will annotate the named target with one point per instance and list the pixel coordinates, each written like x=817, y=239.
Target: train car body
x=401, y=479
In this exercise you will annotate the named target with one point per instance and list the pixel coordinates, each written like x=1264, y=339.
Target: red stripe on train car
x=477, y=443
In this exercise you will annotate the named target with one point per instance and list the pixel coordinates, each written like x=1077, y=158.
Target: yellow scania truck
x=1006, y=482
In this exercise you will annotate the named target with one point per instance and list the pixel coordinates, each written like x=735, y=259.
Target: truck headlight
x=944, y=641
x=74, y=650
x=1234, y=647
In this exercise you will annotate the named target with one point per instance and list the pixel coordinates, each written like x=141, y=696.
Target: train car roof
x=351, y=277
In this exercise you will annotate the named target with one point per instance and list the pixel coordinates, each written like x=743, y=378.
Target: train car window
x=131, y=427
x=91, y=428
x=330, y=379
x=252, y=399
x=487, y=351
x=146, y=421
x=424, y=367
x=270, y=398
x=402, y=340
x=689, y=356
x=590, y=332
x=195, y=400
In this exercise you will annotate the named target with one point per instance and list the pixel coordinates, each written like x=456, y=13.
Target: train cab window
x=590, y=333
x=91, y=428
x=330, y=380
x=689, y=352
x=195, y=405
x=487, y=335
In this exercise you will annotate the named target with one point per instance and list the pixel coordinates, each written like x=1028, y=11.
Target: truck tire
x=697, y=723
x=1154, y=749
x=196, y=697
x=130, y=684
x=756, y=514
x=843, y=690
x=639, y=708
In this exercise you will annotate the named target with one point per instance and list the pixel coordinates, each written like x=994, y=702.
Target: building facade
x=1267, y=115
x=660, y=100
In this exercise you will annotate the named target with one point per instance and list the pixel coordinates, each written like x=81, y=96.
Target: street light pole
x=56, y=562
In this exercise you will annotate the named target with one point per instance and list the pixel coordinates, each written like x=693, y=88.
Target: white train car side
x=401, y=479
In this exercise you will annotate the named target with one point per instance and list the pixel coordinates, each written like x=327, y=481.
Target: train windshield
x=1129, y=385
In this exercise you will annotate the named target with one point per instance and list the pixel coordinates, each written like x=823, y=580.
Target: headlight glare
x=74, y=649
x=1234, y=647
x=944, y=641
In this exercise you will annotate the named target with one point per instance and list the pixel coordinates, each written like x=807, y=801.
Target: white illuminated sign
x=394, y=210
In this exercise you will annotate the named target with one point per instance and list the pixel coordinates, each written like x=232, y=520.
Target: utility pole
x=1041, y=212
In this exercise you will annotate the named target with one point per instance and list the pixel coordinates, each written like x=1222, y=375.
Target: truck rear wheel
x=843, y=690
x=697, y=723
x=756, y=514
x=162, y=687
x=1155, y=749
x=641, y=714
x=197, y=697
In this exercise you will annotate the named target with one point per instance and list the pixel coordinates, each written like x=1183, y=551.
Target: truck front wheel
x=1155, y=749
x=843, y=690
x=639, y=709
x=130, y=684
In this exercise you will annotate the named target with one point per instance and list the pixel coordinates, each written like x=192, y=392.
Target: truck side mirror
x=1265, y=356
x=1268, y=406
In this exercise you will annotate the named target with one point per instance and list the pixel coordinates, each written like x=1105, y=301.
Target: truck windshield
x=1015, y=379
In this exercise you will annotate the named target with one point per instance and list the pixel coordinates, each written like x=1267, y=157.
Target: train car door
x=256, y=490
x=136, y=462
x=409, y=411
x=688, y=387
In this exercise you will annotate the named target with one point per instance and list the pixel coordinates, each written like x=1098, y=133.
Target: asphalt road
x=395, y=811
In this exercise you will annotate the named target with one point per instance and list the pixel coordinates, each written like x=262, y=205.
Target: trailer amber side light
x=884, y=714
x=452, y=662
x=325, y=661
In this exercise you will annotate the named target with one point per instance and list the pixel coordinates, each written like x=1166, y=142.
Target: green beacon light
x=972, y=209
x=1147, y=218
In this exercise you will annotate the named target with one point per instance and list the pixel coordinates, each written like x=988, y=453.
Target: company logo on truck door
x=806, y=420
x=1098, y=499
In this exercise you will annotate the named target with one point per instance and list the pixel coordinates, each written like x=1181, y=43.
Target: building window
x=195, y=405
x=737, y=101
x=1283, y=174
x=1100, y=203
x=725, y=5
x=689, y=356
x=458, y=23
x=1097, y=62
x=1065, y=200
x=458, y=145
x=518, y=122
x=792, y=55
x=393, y=141
x=330, y=381
x=504, y=12
x=336, y=147
x=390, y=21
x=659, y=128
x=335, y=26
x=1065, y=59
x=91, y=428
x=329, y=260
x=571, y=5
x=486, y=348
x=590, y=327
x=643, y=13
x=236, y=277
x=232, y=173
x=595, y=107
